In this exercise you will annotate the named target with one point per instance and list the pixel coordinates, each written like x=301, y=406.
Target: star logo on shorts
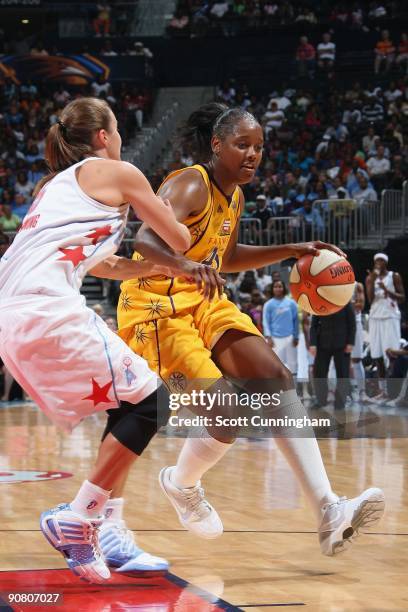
x=99, y=394
x=140, y=334
x=143, y=283
x=125, y=301
x=155, y=308
x=177, y=382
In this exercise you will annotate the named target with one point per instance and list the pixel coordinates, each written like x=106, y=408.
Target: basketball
x=322, y=284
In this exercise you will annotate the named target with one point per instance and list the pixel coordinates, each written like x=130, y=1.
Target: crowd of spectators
x=26, y=113
x=341, y=144
x=232, y=17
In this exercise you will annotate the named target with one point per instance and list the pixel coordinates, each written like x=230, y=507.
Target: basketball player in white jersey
x=384, y=291
x=358, y=301
x=61, y=352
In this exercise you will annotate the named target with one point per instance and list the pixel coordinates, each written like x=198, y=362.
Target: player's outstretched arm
x=241, y=257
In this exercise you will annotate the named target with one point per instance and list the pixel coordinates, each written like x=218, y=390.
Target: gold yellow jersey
x=148, y=299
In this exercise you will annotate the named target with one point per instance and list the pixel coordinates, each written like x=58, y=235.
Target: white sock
x=197, y=456
x=114, y=509
x=90, y=500
x=303, y=456
x=359, y=375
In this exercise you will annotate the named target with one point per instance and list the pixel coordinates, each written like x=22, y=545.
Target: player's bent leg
x=132, y=426
x=302, y=453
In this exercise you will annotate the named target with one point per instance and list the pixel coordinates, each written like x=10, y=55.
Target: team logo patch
x=177, y=382
x=16, y=476
x=225, y=228
x=130, y=375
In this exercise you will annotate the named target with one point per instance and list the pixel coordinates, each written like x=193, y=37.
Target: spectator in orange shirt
x=402, y=57
x=305, y=57
x=384, y=52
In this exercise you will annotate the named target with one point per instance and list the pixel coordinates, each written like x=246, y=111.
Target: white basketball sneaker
x=194, y=511
x=121, y=552
x=342, y=520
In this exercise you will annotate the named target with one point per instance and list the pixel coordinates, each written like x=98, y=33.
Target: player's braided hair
x=213, y=119
x=71, y=138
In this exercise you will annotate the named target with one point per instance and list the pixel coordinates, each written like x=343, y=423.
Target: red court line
x=166, y=592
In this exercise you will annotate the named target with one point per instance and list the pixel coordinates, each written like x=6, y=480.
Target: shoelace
x=92, y=536
x=196, y=502
x=336, y=503
x=127, y=542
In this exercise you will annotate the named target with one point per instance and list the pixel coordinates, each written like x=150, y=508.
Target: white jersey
x=59, y=350
x=383, y=306
x=64, y=234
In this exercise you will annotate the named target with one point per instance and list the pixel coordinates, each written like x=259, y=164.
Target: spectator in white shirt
x=378, y=168
x=364, y=193
x=282, y=101
x=369, y=140
x=379, y=164
x=392, y=93
x=219, y=9
x=273, y=118
x=141, y=51
x=100, y=86
x=326, y=52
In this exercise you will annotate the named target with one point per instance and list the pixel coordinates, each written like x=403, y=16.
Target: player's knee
x=280, y=373
x=138, y=423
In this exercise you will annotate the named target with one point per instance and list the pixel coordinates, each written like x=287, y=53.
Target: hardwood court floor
x=269, y=555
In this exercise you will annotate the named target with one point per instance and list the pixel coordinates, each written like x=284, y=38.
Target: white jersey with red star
x=59, y=350
x=64, y=234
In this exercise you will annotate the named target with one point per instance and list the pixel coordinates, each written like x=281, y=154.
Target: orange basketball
x=322, y=284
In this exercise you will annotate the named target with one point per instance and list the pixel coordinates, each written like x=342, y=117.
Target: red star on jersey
x=99, y=233
x=73, y=255
x=99, y=394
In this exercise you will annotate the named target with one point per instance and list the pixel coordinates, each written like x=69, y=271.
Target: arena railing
x=282, y=230
x=392, y=205
x=404, y=207
x=347, y=222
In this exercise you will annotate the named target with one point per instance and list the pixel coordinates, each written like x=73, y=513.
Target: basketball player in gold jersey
x=185, y=337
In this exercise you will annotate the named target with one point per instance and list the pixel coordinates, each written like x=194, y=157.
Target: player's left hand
x=313, y=248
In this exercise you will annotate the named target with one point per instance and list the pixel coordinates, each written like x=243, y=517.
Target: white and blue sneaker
x=76, y=538
x=121, y=552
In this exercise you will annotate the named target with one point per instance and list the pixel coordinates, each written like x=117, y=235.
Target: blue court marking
x=270, y=605
x=206, y=595
x=4, y=607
